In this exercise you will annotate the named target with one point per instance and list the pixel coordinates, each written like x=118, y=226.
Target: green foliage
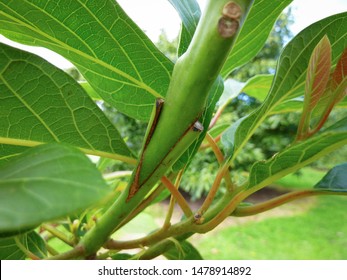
x=183, y=251
x=293, y=158
x=189, y=12
x=13, y=248
x=48, y=119
x=91, y=40
x=334, y=180
x=33, y=183
x=254, y=32
x=265, y=61
x=290, y=75
x=41, y=104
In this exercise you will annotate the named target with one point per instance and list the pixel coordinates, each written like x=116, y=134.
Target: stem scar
x=228, y=24
x=136, y=184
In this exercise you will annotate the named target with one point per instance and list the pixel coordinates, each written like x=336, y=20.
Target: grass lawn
x=319, y=232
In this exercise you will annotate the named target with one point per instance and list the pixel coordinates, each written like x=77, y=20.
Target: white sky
x=155, y=15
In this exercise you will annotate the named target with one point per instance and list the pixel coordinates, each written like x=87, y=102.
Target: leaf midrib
x=32, y=143
x=299, y=165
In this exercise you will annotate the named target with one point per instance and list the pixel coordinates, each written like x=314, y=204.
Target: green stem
x=167, y=221
x=192, y=78
x=161, y=247
x=144, y=204
x=57, y=233
x=193, y=75
x=51, y=250
x=76, y=253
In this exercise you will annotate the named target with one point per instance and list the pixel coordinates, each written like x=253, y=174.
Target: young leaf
x=340, y=72
x=45, y=183
x=334, y=180
x=31, y=241
x=109, y=49
x=186, y=251
x=318, y=73
x=333, y=94
x=189, y=12
x=40, y=103
x=339, y=79
x=290, y=74
x=254, y=32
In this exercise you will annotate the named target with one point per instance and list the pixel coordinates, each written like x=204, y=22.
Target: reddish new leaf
x=318, y=73
x=340, y=71
x=317, y=78
x=339, y=78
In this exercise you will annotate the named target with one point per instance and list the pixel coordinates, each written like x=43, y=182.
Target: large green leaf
x=109, y=49
x=9, y=249
x=189, y=12
x=334, y=180
x=47, y=182
x=290, y=74
x=183, y=251
x=40, y=103
x=294, y=157
x=254, y=32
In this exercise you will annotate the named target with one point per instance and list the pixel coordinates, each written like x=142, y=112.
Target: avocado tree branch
x=177, y=126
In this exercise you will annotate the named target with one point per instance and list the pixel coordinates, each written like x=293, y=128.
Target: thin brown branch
x=178, y=197
x=278, y=201
x=213, y=191
x=220, y=157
